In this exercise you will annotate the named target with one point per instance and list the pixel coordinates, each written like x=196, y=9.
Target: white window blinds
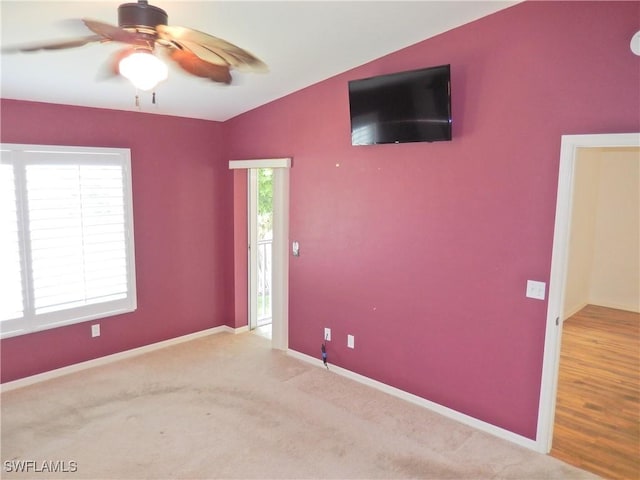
x=67, y=236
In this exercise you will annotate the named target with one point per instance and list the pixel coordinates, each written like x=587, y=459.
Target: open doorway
x=279, y=292
x=596, y=424
x=260, y=229
x=558, y=287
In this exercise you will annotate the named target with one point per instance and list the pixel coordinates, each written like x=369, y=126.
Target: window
x=66, y=236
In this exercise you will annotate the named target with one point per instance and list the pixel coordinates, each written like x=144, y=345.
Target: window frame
x=22, y=155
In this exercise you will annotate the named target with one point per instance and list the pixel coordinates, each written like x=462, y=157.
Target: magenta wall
x=422, y=251
x=240, y=254
x=182, y=195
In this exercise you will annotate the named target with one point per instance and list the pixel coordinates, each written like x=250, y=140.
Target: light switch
x=295, y=247
x=95, y=330
x=536, y=289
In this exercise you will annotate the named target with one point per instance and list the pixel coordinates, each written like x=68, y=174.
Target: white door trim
x=280, y=273
x=252, y=222
x=284, y=162
x=558, y=276
x=280, y=305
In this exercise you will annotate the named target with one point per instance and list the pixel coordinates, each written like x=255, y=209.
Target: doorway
x=279, y=288
x=596, y=420
x=260, y=229
x=556, y=313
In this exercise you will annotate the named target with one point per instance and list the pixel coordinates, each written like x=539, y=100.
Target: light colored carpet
x=227, y=406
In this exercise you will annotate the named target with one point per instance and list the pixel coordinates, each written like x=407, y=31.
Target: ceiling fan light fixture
x=635, y=43
x=143, y=69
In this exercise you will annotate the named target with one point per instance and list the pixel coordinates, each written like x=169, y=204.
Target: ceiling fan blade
x=103, y=32
x=194, y=65
x=117, y=34
x=211, y=49
x=54, y=45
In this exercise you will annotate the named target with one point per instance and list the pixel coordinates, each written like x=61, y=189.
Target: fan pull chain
x=137, y=98
x=153, y=98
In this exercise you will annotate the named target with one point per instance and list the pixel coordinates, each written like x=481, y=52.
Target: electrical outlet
x=351, y=341
x=327, y=334
x=95, y=330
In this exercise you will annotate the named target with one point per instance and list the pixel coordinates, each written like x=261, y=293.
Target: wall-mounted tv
x=411, y=106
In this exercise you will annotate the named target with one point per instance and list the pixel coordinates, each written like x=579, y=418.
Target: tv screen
x=412, y=106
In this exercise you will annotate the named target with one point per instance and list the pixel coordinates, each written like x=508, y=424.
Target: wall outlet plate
x=95, y=330
x=351, y=341
x=327, y=334
x=536, y=289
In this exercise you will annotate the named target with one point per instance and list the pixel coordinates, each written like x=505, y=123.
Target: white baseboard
x=616, y=306
x=41, y=377
x=437, y=408
x=447, y=412
x=570, y=312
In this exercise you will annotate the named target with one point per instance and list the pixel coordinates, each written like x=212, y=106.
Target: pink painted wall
x=422, y=251
x=182, y=195
x=240, y=253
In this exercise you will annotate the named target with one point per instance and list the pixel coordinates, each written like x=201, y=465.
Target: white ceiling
x=302, y=42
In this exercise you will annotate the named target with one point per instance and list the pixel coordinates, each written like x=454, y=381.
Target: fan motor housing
x=141, y=15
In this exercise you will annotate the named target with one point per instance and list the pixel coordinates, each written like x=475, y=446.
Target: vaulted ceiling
x=302, y=42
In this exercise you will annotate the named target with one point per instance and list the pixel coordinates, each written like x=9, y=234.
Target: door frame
x=280, y=259
x=252, y=251
x=558, y=276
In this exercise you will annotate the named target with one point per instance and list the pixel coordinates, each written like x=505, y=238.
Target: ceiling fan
x=144, y=30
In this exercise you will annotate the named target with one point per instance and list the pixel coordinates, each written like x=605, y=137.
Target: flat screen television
x=411, y=106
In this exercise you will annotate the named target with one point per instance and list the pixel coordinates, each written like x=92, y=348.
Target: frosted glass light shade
x=635, y=43
x=143, y=69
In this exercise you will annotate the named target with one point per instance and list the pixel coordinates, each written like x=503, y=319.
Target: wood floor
x=597, y=424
